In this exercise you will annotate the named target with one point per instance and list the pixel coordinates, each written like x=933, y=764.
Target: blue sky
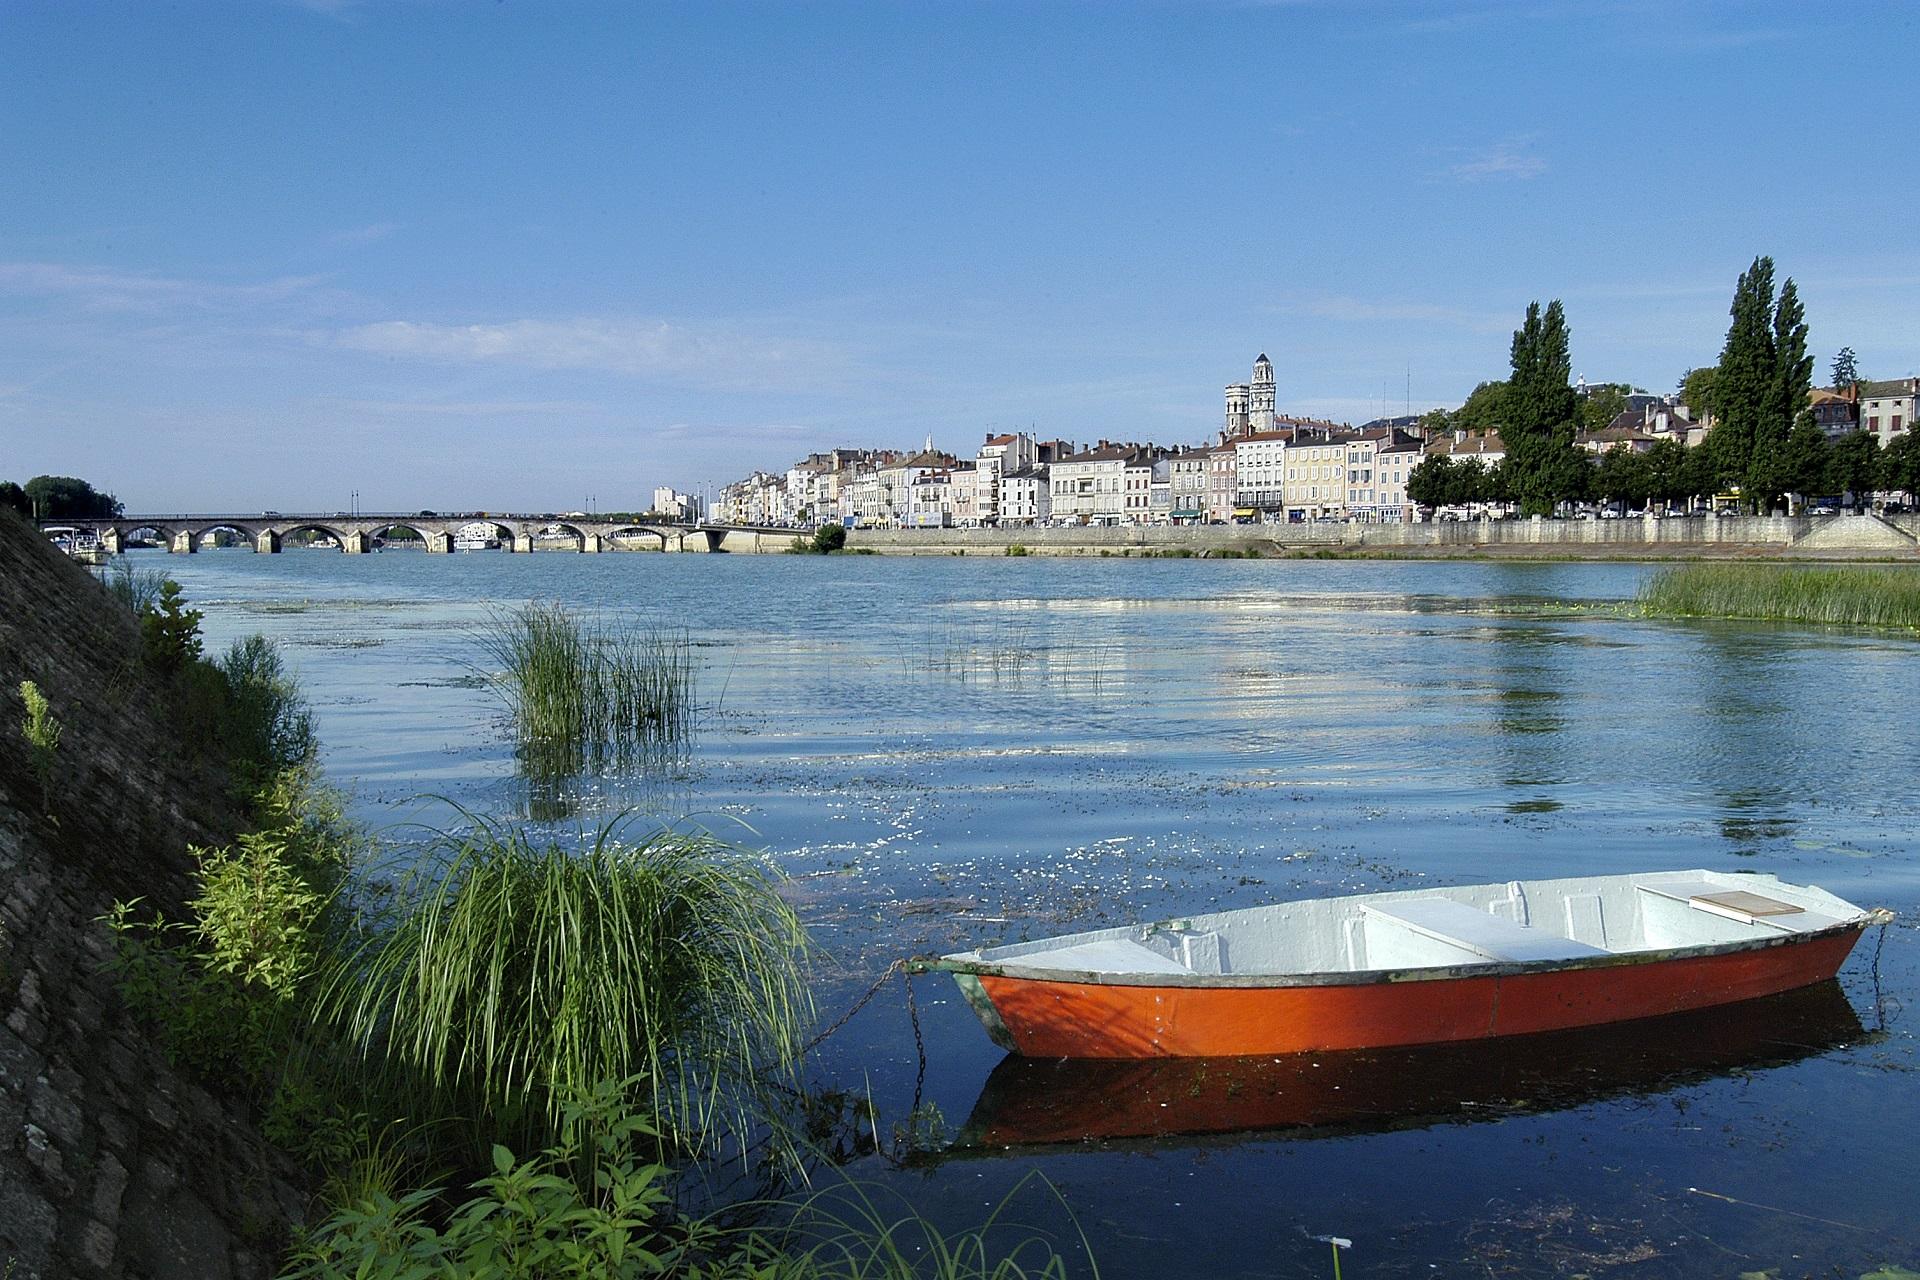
x=512, y=254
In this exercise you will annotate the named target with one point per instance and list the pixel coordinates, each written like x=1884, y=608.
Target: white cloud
x=644, y=348
x=1512, y=159
x=108, y=289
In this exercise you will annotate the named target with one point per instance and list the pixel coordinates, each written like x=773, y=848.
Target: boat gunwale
x=956, y=965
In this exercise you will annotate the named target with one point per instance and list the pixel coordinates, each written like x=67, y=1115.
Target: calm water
x=960, y=751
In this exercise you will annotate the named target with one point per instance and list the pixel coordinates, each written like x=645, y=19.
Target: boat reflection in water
x=1030, y=1101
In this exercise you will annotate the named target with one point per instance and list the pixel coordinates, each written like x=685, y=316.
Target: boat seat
x=1107, y=955
x=1472, y=929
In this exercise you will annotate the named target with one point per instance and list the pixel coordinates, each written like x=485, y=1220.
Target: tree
x=1431, y=484
x=63, y=497
x=1623, y=476
x=1485, y=409
x=13, y=496
x=829, y=538
x=1696, y=391
x=1543, y=466
x=1900, y=464
x=1602, y=404
x=1808, y=464
x=1760, y=387
x=1856, y=467
x=1435, y=423
x=1845, y=372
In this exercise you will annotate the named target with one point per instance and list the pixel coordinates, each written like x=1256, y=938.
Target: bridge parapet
x=266, y=532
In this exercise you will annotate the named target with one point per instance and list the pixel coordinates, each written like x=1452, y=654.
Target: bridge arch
x=631, y=531
x=199, y=532
x=422, y=531
x=571, y=530
x=286, y=532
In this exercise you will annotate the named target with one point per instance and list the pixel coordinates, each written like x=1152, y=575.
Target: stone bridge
x=356, y=534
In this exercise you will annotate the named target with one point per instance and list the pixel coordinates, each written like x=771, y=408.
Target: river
x=946, y=752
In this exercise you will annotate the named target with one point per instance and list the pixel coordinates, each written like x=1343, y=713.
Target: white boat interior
x=1519, y=922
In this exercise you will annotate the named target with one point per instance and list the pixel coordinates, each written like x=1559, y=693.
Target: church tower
x=1237, y=409
x=1260, y=408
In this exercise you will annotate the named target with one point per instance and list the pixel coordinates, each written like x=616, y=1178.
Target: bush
x=829, y=538
x=169, y=631
x=268, y=726
x=514, y=976
x=1016, y=549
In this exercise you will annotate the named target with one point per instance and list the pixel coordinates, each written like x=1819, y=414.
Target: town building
x=1187, y=486
x=1222, y=483
x=1250, y=404
x=1024, y=499
x=1091, y=487
x=1887, y=408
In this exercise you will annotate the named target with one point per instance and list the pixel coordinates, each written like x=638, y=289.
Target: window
x=1893, y=424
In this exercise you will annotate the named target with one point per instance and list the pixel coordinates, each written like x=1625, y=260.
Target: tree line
x=59, y=497
x=1764, y=442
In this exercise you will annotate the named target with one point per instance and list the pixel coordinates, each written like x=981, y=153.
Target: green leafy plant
x=43, y=739
x=829, y=538
x=1017, y=549
x=514, y=975
x=267, y=726
x=138, y=589
x=169, y=631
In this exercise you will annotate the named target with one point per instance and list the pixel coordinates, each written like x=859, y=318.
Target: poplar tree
x=1760, y=388
x=1543, y=466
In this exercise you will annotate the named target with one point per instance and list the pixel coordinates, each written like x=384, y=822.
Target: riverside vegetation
x=1851, y=595
x=527, y=1059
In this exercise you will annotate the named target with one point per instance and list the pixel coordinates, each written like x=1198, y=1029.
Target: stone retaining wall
x=1837, y=537
x=111, y=1162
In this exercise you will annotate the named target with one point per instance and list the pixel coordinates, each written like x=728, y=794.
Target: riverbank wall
x=112, y=1162
x=1785, y=537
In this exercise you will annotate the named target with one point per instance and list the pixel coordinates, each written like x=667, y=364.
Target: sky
x=526, y=256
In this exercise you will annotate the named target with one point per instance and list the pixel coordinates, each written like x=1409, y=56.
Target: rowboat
x=1030, y=1103
x=1424, y=966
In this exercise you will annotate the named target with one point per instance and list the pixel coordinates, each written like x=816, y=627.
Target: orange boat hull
x=1077, y=1019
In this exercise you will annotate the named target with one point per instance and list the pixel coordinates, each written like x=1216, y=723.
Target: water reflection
x=1033, y=1102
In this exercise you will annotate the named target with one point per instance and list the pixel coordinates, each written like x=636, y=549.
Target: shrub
x=516, y=975
x=1016, y=549
x=268, y=726
x=169, y=631
x=829, y=538
x=138, y=589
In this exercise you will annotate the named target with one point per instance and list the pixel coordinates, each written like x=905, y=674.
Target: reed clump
x=1842, y=595
x=515, y=974
x=579, y=690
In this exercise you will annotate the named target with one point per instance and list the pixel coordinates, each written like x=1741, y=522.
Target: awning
x=1245, y=511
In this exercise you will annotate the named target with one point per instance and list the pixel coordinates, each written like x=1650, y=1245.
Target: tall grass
x=1847, y=595
x=515, y=975
x=580, y=691
x=138, y=589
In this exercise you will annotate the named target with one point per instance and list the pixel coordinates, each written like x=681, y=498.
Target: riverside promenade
x=1840, y=537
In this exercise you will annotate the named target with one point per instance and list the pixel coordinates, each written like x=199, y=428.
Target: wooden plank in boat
x=1742, y=905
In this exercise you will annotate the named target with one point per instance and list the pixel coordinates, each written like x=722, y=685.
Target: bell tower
x=1237, y=410
x=1260, y=406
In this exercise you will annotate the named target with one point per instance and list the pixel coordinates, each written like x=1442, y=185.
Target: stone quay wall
x=112, y=1163
x=1820, y=537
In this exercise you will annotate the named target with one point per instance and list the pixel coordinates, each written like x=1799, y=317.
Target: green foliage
x=1856, y=466
x=580, y=691
x=829, y=538
x=1017, y=549
x=1808, y=463
x=526, y=1219
x=169, y=631
x=267, y=727
x=1845, y=371
x=1542, y=466
x=1623, y=476
x=230, y=987
x=14, y=498
x=58, y=497
x=1760, y=388
x=1696, y=390
x=1441, y=481
x=1852, y=595
x=514, y=975
x=42, y=732
x=1485, y=409
x=1602, y=404
x=1897, y=469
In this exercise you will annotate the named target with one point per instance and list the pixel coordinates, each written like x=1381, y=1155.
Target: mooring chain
x=898, y=966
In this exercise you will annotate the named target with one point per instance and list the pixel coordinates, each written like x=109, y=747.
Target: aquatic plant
x=1849, y=595
x=515, y=974
x=580, y=691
